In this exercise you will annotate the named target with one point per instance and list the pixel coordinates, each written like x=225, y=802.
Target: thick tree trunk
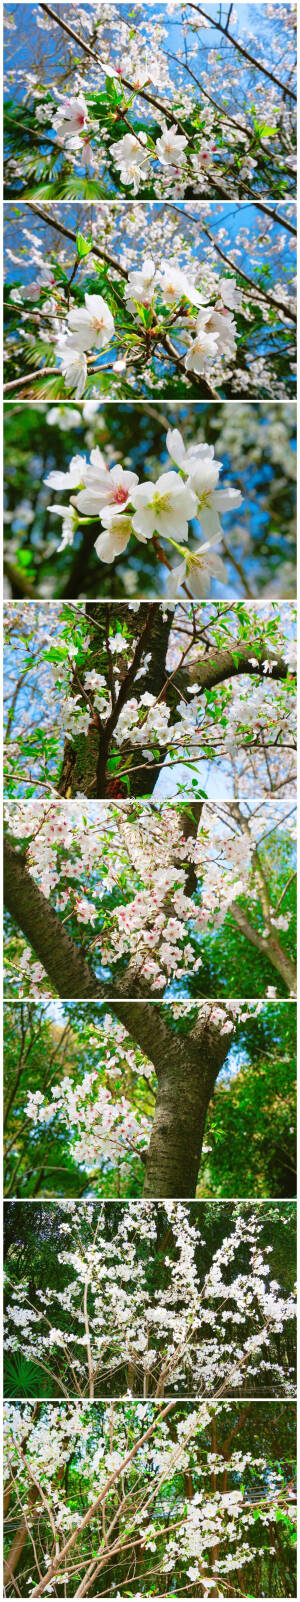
x=270, y=948
x=184, y=1091
x=62, y=959
x=186, y=1071
x=84, y=766
x=67, y=966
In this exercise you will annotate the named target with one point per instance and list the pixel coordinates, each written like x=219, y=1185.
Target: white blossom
x=163, y=508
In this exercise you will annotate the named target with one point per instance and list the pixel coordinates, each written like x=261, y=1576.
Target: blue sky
x=246, y=231
x=29, y=43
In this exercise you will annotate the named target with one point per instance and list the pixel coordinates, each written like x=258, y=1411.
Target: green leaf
x=25, y=559
x=55, y=654
x=114, y=90
x=83, y=246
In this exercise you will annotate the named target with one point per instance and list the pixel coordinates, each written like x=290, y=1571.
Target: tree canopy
x=118, y=701
x=161, y=1299
x=80, y=1099
x=168, y=1496
x=157, y=299
x=163, y=100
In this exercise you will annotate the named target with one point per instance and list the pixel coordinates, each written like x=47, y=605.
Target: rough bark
x=62, y=959
x=190, y=819
x=66, y=966
x=183, y=1095
x=85, y=758
x=186, y=1069
x=269, y=948
x=185, y=1077
x=220, y=665
x=84, y=766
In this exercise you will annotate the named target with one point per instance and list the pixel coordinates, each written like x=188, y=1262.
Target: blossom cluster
x=103, y=1114
x=155, y=922
x=202, y=1539
x=179, y=136
x=91, y=327
x=174, y=1334
x=134, y=153
x=103, y=1128
x=50, y=682
x=152, y=511
x=167, y=329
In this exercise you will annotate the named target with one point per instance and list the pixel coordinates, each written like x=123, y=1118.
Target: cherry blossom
x=141, y=283
x=170, y=146
x=71, y=117
x=73, y=366
x=199, y=567
x=173, y=1461
x=130, y=155
x=190, y=328
x=164, y=507
x=173, y=1338
x=143, y=855
x=225, y=107
x=175, y=285
x=116, y=537
x=92, y=325
x=152, y=509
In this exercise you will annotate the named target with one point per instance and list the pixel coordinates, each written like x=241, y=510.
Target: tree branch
x=213, y=23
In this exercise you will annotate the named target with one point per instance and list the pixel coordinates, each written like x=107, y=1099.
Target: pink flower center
x=80, y=119
x=120, y=495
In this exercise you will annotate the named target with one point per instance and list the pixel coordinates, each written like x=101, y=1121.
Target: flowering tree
x=157, y=1299
x=79, y=1100
x=114, y=310
x=113, y=908
x=152, y=1494
x=124, y=695
x=165, y=100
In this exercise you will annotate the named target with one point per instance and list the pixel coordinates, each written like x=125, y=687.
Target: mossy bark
x=85, y=766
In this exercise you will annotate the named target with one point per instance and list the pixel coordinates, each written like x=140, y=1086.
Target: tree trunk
x=185, y=1086
x=270, y=948
x=20, y=1537
x=21, y=1533
x=61, y=957
x=186, y=1072
x=84, y=766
